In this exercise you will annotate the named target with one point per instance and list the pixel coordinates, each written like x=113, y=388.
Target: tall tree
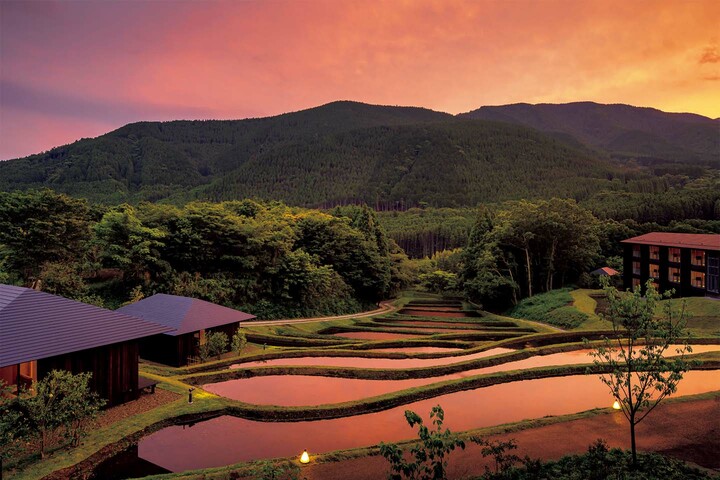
x=641, y=376
x=129, y=245
x=38, y=227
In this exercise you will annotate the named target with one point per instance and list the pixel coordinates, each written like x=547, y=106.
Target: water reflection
x=228, y=440
x=362, y=362
x=298, y=390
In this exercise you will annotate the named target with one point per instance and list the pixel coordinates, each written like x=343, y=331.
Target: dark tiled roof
x=35, y=325
x=184, y=314
x=681, y=240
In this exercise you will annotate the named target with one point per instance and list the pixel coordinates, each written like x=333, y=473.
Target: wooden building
x=190, y=320
x=687, y=263
x=40, y=332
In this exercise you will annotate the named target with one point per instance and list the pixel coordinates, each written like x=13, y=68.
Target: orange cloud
x=226, y=59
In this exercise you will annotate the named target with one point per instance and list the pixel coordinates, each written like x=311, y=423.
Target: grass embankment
x=704, y=314
x=578, y=310
x=554, y=308
x=394, y=373
x=437, y=325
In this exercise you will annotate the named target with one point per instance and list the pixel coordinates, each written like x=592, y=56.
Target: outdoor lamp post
x=190, y=390
x=305, y=458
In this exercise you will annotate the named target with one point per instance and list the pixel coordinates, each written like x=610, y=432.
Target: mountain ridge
x=622, y=130
x=340, y=152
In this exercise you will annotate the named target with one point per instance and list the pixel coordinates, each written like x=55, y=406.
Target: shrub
x=238, y=342
x=216, y=343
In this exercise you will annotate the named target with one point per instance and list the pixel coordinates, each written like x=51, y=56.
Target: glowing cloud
x=82, y=68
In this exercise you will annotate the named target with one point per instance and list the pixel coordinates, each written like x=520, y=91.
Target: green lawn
x=704, y=314
x=563, y=308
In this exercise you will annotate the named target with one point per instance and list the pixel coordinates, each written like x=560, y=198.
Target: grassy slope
x=704, y=319
x=555, y=308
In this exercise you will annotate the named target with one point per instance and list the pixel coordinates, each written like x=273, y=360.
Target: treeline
x=421, y=232
x=265, y=258
x=664, y=204
x=520, y=248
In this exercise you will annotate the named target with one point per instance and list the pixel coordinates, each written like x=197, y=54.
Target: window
x=674, y=275
x=636, y=282
x=698, y=258
x=636, y=251
x=674, y=255
x=698, y=279
x=654, y=271
x=654, y=253
x=636, y=268
x=656, y=286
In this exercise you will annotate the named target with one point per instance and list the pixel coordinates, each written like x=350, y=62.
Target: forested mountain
x=343, y=152
x=622, y=130
x=388, y=157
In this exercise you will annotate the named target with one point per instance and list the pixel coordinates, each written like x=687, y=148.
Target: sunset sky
x=72, y=69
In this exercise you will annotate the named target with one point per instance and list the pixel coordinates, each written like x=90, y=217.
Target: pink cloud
x=222, y=59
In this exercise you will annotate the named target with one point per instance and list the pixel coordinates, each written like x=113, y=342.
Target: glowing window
x=654, y=271
x=698, y=258
x=674, y=274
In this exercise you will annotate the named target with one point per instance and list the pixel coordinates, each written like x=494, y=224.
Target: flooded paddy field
x=305, y=390
x=226, y=440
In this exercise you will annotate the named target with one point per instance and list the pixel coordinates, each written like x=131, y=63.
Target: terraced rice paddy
x=228, y=439
x=375, y=335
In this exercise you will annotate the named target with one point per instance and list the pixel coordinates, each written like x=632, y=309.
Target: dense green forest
x=650, y=135
x=493, y=210
x=670, y=203
x=268, y=259
x=279, y=261
x=390, y=158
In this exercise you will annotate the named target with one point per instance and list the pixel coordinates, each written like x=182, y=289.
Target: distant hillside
x=621, y=130
x=342, y=152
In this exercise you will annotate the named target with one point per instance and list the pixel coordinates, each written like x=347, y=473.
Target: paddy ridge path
x=384, y=307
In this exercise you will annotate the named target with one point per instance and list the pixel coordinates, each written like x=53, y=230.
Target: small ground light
x=304, y=458
x=616, y=405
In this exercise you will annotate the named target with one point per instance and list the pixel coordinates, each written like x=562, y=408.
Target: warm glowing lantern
x=304, y=458
x=616, y=405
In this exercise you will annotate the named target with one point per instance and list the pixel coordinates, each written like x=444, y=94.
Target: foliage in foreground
x=59, y=411
x=429, y=455
x=428, y=459
x=599, y=463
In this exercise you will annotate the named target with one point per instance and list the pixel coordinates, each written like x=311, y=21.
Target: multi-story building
x=686, y=262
